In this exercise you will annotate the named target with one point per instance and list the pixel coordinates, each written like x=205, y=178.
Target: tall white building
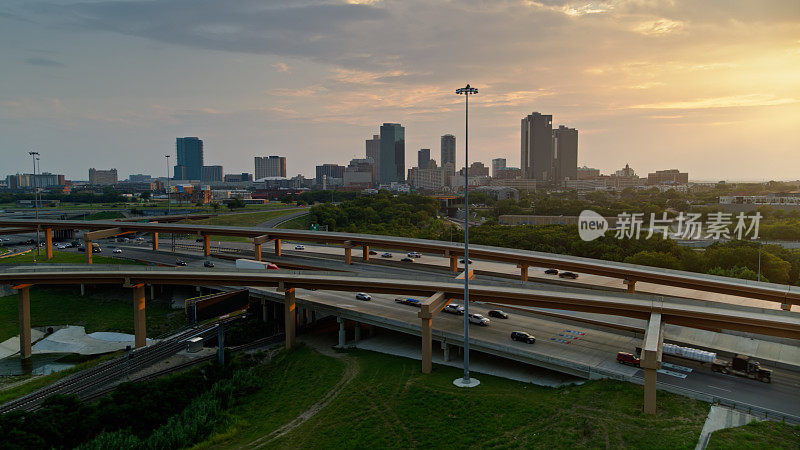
x=498, y=164
x=273, y=166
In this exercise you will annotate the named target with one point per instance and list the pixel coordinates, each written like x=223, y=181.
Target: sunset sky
x=711, y=87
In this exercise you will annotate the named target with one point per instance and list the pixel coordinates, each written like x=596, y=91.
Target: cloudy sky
x=711, y=87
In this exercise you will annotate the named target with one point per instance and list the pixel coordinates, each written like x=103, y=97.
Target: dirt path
x=350, y=372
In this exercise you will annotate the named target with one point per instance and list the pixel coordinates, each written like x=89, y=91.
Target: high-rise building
x=190, y=158
x=670, y=176
x=237, y=177
x=273, y=166
x=423, y=158
x=448, y=149
x=211, y=173
x=536, y=153
x=565, y=141
x=102, y=177
x=40, y=180
x=331, y=172
x=139, y=178
x=393, y=153
x=589, y=173
x=360, y=172
x=374, y=152
x=497, y=165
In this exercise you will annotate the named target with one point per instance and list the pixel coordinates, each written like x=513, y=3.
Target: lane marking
x=721, y=389
x=676, y=367
x=671, y=373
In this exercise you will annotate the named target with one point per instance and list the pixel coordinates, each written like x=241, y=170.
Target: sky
x=709, y=87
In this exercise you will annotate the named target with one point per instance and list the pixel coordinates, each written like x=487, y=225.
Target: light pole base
x=460, y=382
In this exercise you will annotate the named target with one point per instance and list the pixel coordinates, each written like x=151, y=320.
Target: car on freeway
x=628, y=359
x=498, y=313
x=208, y=264
x=97, y=250
x=299, y=247
x=551, y=272
x=571, y=275
x=522, y=336
x=363, y=296
x=61, y=247
x=454, y=308
x=386, y=255
x=407, y=259
x=414, y=255
x=408, y=301
x=180, y=262
x=479, y=320
x=272, y=266
x=81, y=248
x=117, y=250
x=199, y=240
x=461, y=261
x=373, y=252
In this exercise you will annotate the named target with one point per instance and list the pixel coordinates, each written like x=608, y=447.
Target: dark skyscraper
x=393, y=153
x=536, y=155
x=190, y=158
x=374, y=152
x=448, y=150
x=566, y=151
x=423, y=158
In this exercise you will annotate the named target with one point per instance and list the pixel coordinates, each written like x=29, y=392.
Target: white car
x=363, y=296
x=299, y=247
x=414, y=255
x=117, y=250
x=454, y=308
x=479, y=320
x=61, y=247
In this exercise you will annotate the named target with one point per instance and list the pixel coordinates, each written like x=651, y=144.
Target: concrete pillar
x=264, y=311
x=365, y=252
x=48, y=247
x=221, y=344
x=371, y=330
x=289, y=317
x=427, y=346
x=155, y=242
x=257, y=252
x=152, y=291
x=453, y=263
x=83, y=290
x=342, y=336
x=357, y=332
x=24, y=307
x=206, y=245
x=523, y=272
x=631, y=286
x=88, y=245
x=446, y=351
x=277, y=247
x=139, y=321
x=650, y=376
x=348, y=255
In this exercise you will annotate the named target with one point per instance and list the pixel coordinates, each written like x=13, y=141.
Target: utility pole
x=34, y=157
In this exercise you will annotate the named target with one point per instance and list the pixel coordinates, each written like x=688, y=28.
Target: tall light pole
x=466, y=381
x=169, y=204
x=34, y=157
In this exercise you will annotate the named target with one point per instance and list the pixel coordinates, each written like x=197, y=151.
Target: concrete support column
x=446, y=351
x=348, y=255
x=24, y=307
x=650, y=376
x=342, y=336
x=365, y=252
x=523, y=272
x=152, y=291
x=257, y=252
x=453, y=263
x=289, y=317
x=89, y=249
x=83, y=290
x=357, y=332
x=277, y=247
x=155, y=242
x=48, y=246
x=427, y=346
x=139, y=321
x=631, y=286
x=264, y=310
x=206, y=245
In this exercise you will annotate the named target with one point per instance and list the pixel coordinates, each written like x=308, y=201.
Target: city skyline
x=719, y=95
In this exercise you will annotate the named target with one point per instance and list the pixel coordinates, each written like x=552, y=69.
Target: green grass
x=239, y=220
x=105, y=215
x=772, y=435
x=391, y=404
x=46, y=380
x=298, y=223
x=64, y=258
x=292, y=382
x=102, y=309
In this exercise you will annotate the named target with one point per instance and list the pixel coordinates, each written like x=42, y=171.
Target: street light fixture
x=466, y=381
x=34, y=158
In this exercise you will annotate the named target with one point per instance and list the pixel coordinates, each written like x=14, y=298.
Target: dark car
x=81, y=249
x=373, y=252
x=180, y=262
x=551, y=272
x=199, y=240
x=386, y=255
x=97, y=250
x=461, y=261
x=208, y=264
x=522, y=336
x=407, y=259
x=408, y=301
x=498, y=313
x=628, y=359
x=572, y=275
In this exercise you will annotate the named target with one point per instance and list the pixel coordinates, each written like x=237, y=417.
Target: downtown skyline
x=711, y=89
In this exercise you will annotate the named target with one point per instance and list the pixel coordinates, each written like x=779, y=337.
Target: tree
x=235, y=203
x=215, y=206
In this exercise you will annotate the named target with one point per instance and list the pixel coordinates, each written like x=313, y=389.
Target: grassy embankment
x=298, y=223
x=772, y=435
x=390, y=403
x=104, y=215
x=239, y=220
x=102, y=309
x=64, y=258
